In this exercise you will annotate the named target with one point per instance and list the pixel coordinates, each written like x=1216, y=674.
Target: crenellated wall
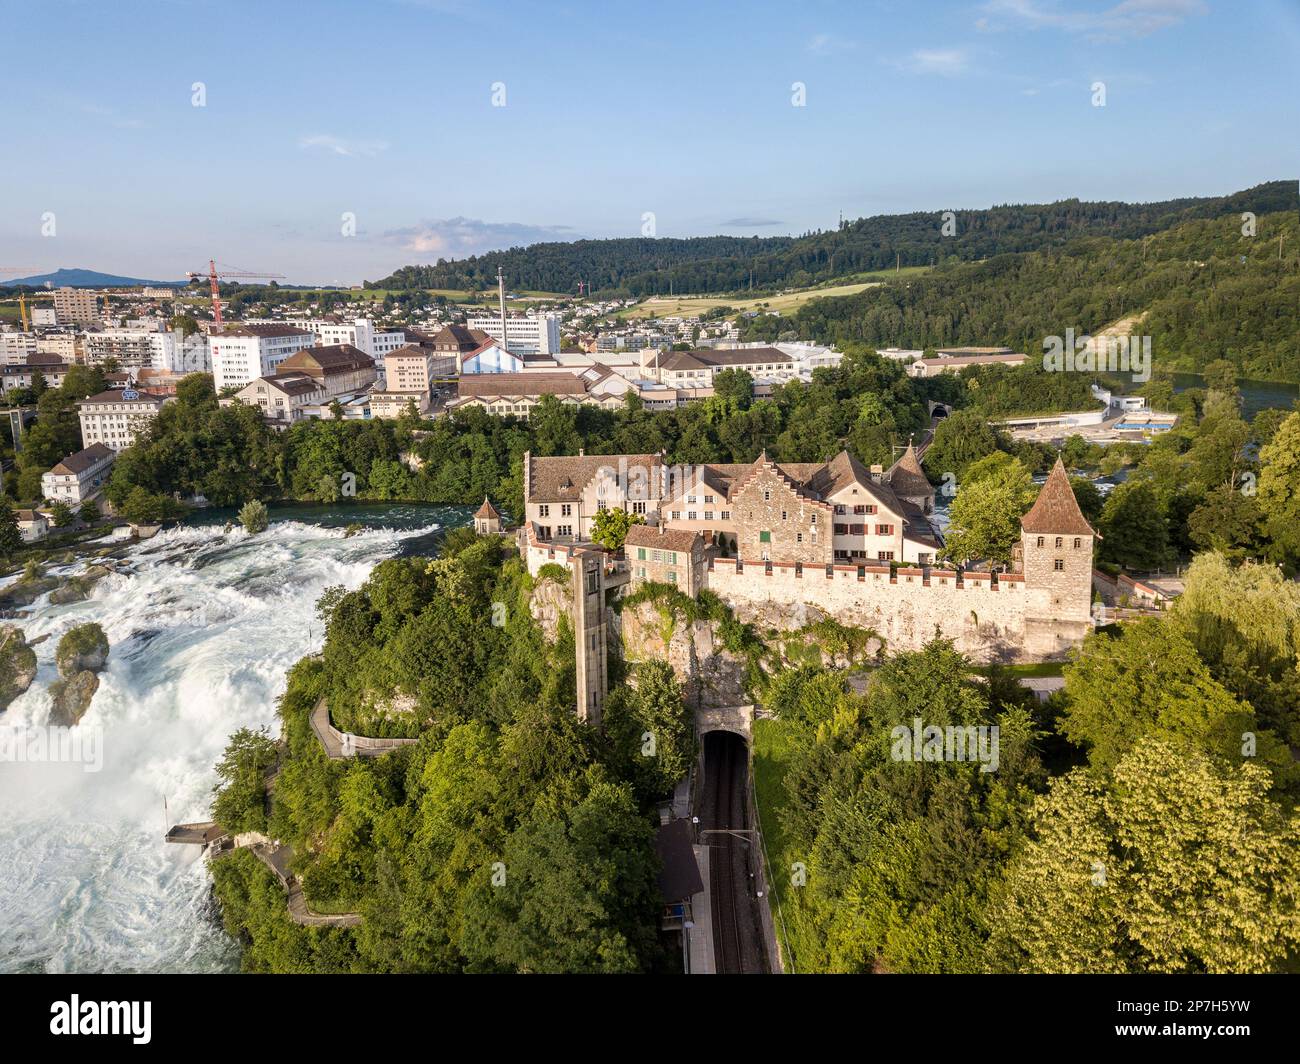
x=983, y=615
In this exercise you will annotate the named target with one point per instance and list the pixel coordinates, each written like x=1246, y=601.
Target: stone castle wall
x=985, y=617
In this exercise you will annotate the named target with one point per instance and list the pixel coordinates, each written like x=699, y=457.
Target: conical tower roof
x=487, y=509
x=1056, y=510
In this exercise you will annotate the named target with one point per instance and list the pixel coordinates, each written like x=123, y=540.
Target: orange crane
x=215, y=276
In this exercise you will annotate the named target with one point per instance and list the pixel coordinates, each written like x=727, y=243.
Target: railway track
x=737, y=935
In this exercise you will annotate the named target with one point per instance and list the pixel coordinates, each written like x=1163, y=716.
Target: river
x=1255, y=395
x=203, y=625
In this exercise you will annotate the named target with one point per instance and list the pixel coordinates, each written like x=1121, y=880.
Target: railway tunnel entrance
x=737, y=889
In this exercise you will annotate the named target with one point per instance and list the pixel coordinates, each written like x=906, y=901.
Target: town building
x=282, y=398
x=666, y=556
x=535, y=334
x=393, y=403
x=116, y=417
x=456, y=341
x=44, y=317
x=340, y=369
x=244, y=353
x=516, y=394
x=140, y=348
x=62, y=344
x=692, y=372
x=956, y=359
x=414, y=367
x=32, y=525
x=361, y=333
x=75, y=306
x=49, y=368
x=79, y=477
x=16, y=347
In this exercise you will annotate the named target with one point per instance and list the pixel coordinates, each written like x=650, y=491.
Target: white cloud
x=1125, y=20
x=946, y=61
x=827, y=44
x=340, y=146
x=458, y=237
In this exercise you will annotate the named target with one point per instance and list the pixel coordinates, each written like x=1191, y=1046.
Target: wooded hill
x=649, y=266
x=1206, y=292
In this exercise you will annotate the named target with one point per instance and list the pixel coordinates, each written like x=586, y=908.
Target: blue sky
x=384, y=109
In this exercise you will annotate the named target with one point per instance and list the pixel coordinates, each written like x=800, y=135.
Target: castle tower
x=909, y=482
x=486, y=519
x=1056, y=547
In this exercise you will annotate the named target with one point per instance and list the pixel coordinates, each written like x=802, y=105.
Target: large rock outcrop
x=712, y=675
x=17, y=664
x=82, y=652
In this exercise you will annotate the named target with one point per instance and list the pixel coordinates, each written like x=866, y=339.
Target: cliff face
x=550, y=600
x=712, y=674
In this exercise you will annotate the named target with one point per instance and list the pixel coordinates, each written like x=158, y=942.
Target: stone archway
x=735, y=719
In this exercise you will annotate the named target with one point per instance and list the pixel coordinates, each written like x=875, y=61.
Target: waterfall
x=203, y=626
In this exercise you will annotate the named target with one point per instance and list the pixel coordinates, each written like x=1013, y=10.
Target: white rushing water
x=203, y=626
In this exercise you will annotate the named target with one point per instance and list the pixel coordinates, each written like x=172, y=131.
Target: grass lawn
x=771, y=757
x=690, y=306
x=1038, y=668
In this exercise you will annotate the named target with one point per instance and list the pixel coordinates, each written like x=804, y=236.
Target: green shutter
x=765, y=537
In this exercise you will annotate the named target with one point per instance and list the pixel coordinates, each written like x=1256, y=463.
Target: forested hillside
x=1207, y=293
x=648, y=266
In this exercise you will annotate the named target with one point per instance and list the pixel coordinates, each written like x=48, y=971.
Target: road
x=737, y=935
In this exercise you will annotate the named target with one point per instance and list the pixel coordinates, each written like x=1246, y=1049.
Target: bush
x=254, y=517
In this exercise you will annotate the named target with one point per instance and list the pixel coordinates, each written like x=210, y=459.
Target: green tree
x=253, y=516
x=986, y=512
x=240, y=798
x=11, y=537
x=62, y=514
x=960, y=439
x=1279, y=491
x=609, y=527
x=1181, y=863
x=1134, y=533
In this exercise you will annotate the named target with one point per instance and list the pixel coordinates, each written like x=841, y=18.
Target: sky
x=333, y=141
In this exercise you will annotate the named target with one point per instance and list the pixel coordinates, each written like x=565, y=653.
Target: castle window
x=1059, y=541
x=726, y=515
x=1077, y=542
x=1041, y=541
x=544, y=511
x=798, y=538
x=884, y=530
x=640, y=554
x=1059, y=565
x=814, y=519
x=566, y=510
x=767, y=496
x=885, y=556
x=708, y=515
x=690, y=516
x=677, y=515
x=783, y=515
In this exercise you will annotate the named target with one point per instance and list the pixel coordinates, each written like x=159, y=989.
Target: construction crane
x=215, y=276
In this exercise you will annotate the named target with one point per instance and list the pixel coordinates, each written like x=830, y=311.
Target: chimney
x=582, y=452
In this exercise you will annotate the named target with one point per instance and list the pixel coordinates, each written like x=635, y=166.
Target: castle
x=786, y=543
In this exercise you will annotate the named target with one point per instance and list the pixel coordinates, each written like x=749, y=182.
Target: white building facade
x=241, y=355
x=536, y=334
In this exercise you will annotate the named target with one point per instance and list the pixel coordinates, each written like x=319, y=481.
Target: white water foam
x=203, y=626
